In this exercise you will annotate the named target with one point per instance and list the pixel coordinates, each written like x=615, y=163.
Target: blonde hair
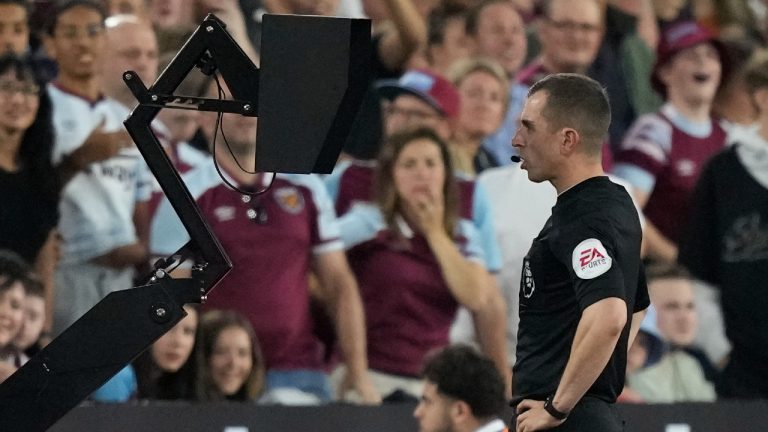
x=463, y=68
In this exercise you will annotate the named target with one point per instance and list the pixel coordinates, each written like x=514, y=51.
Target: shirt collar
x=494, y=426
x=403, y=226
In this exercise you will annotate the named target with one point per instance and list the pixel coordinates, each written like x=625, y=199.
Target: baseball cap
x=428, y=86
x=676, y=38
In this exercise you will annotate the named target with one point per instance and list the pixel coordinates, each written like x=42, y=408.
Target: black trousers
x=589, y=415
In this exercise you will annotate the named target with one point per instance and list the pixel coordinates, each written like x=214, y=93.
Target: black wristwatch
x=548, y=407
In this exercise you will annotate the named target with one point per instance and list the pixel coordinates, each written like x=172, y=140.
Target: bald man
x=131, y=45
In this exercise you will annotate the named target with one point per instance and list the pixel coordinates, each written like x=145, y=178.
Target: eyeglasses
x=572, y=26
x=10, y=88
x=73, y=31
x=410, y=114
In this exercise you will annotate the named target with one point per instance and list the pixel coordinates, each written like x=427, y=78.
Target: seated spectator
x=14, y=274
x=165, y=371
x=725, y=242
x=680, y=375
x=645, y=351
x=232, y=366
x=664, y=152
x=412, y=227
x=482, y=85
x=463, y=392
x=31, y=337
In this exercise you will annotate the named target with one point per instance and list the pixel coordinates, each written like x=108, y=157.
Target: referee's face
x=534, y=140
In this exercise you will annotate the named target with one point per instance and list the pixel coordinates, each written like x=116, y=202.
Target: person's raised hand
x=429, y=212
x=100, y=146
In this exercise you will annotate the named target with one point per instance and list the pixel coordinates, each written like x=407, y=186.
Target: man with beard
x=463, y=392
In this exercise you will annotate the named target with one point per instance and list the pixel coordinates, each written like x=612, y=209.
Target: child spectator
x=28, y=341
x=680, y=375
x=14, y=274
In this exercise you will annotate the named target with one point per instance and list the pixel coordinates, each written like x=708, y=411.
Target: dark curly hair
x=461, y=373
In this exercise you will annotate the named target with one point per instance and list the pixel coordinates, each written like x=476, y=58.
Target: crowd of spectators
x=342, y=285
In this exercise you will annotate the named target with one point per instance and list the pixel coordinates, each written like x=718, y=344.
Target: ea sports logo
x=590, y=259
x=589, y=255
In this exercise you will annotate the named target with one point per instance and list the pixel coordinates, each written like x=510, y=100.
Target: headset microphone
x=516, y=159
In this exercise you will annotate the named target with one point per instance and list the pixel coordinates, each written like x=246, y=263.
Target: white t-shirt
x=519, y=210
x=97, y=204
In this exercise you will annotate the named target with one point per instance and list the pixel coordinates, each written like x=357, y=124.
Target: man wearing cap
x=424, y=98
x=664, y=152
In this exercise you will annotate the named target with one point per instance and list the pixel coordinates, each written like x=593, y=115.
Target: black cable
x=218, y=127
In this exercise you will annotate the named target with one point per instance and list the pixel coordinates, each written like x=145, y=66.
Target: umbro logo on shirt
x=590, y=259
x=224, y=213
x=685, y=167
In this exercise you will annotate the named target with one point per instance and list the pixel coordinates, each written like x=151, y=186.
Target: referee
x=583, y=291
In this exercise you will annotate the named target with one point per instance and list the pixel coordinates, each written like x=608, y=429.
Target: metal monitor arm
x=125, y=323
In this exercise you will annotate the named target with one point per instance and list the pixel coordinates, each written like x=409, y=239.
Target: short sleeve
x=642, y=299
x=326, y=234
x=589, y=251
x=470, y=243
x=645, y=151
x=360, y=224
x=145, y=182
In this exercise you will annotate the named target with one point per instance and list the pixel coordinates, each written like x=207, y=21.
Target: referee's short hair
x=579, y=102
x=461, y=373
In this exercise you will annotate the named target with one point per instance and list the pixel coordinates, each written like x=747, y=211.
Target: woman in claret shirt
x=414, y=259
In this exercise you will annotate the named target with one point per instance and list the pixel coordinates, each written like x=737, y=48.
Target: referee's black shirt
x=588, y=250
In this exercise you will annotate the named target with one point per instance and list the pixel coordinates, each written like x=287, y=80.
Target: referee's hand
x=531, y=416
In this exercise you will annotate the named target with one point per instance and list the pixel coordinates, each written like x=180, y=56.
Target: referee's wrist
x=549, y=407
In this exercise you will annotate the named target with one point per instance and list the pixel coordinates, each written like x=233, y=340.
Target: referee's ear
x=569, y=141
